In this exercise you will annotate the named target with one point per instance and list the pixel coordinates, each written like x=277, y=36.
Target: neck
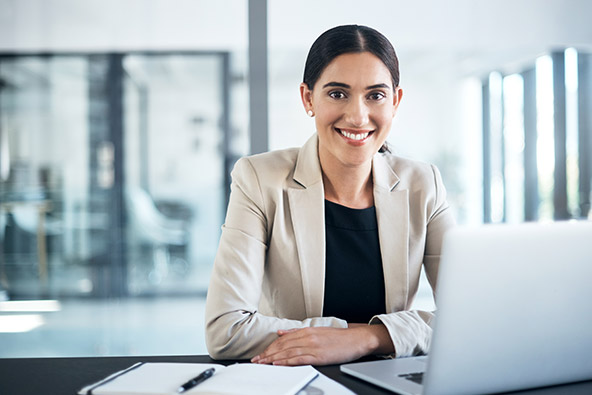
x=350, y=186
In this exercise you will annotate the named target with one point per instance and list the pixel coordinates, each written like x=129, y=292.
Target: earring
x=310, y=113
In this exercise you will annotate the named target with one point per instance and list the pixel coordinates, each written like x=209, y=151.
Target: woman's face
x=354, y=104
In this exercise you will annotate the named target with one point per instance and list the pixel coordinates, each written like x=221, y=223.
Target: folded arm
x=235, y=329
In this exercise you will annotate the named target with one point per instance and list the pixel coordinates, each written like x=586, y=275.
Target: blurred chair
x=31, y=216
x=3, y=279
x=150, y=227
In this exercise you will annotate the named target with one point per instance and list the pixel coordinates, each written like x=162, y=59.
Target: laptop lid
x=514, y=312
x=515, y=308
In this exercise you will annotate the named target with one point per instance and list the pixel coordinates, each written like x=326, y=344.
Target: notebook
x=158, y=378
x=514, y=312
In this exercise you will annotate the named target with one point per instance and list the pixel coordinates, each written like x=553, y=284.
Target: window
x=113, y=181
x=536, y=140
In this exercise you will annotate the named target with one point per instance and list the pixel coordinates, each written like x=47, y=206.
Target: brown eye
x=376, y=96
x=337, y=95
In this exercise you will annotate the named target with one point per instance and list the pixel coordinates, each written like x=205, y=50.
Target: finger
x=270, y=356
x=283, y=350
x=282, y=332
x=297, y=361
x=289, y=339
x=275, y=347
x=296, y=333
x=289, y=356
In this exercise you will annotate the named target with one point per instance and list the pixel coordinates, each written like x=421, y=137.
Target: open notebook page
x=245, y=379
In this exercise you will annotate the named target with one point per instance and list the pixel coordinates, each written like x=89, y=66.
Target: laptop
x=514, y=312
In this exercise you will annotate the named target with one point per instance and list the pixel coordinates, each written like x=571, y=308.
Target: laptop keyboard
x=415, y=377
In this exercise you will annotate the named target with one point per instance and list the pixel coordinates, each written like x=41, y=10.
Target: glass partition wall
x=537, y=140
x=113, y=172
x=114, y=176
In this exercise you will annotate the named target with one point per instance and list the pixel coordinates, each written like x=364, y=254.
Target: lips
x=356, y=135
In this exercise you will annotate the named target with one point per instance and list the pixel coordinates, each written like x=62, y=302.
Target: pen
x=206, y=374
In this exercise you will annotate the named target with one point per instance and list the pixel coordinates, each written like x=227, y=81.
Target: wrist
x=377, y=340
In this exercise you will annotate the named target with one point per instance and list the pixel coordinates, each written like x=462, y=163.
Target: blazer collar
x=308, y=167
x=383, y=174
x=392, y=216
x=307, y=208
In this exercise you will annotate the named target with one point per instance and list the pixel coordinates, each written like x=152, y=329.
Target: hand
x=324, y=345
x=354, y=325
x=311, y=346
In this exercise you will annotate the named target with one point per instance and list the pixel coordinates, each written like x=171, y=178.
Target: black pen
x=206, y=374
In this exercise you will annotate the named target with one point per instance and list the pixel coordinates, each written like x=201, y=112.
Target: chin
x=356, y=160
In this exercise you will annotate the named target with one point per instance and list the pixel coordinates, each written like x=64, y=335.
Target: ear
x=306, y=96
x=397, y=99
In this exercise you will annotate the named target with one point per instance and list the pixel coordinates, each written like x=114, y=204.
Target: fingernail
x=255, y=358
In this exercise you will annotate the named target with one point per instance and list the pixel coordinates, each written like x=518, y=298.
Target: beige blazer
x=269, y=271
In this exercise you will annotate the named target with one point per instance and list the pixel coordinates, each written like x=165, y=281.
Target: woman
x=321, y=252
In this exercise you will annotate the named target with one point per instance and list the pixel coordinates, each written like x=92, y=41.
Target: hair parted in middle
x=349, y=39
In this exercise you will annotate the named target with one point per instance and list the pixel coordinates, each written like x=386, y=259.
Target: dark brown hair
x=349, y=39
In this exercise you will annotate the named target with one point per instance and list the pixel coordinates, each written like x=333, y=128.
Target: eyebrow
x=346, y=86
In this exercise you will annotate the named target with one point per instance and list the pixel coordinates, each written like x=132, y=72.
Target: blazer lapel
x=392, y=213
x=307, y=209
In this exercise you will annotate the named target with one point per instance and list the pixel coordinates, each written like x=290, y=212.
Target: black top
x=354, y=280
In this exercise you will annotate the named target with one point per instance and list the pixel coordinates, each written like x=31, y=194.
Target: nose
x=357, y=113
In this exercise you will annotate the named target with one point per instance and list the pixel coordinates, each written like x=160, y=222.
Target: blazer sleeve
x=411, y=330
x=234, y=327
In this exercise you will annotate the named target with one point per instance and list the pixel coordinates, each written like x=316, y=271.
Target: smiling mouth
x=356, y=136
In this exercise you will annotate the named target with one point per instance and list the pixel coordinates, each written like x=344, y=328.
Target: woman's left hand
x=324, y=345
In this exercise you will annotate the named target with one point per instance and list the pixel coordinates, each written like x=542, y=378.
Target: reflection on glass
x=17, y=323
x=44, y=109
x=545, y=137
x=497, y=144
x=175, y=168
x=58, y=181
x=514, y=147
x=571, y=104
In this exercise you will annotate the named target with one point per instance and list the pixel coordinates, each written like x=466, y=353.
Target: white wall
x=433, y=24
x=420, y=25
x=97, y=25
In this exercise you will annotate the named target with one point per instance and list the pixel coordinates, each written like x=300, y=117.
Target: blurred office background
x=120, y=122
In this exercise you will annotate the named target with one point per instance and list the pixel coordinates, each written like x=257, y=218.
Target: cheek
x=386, y=113
x=384, y=118
x=326, y=118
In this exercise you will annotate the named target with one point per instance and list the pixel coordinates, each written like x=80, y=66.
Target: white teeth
x=354, y=136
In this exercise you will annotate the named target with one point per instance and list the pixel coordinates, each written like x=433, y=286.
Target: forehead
x=363, y=69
